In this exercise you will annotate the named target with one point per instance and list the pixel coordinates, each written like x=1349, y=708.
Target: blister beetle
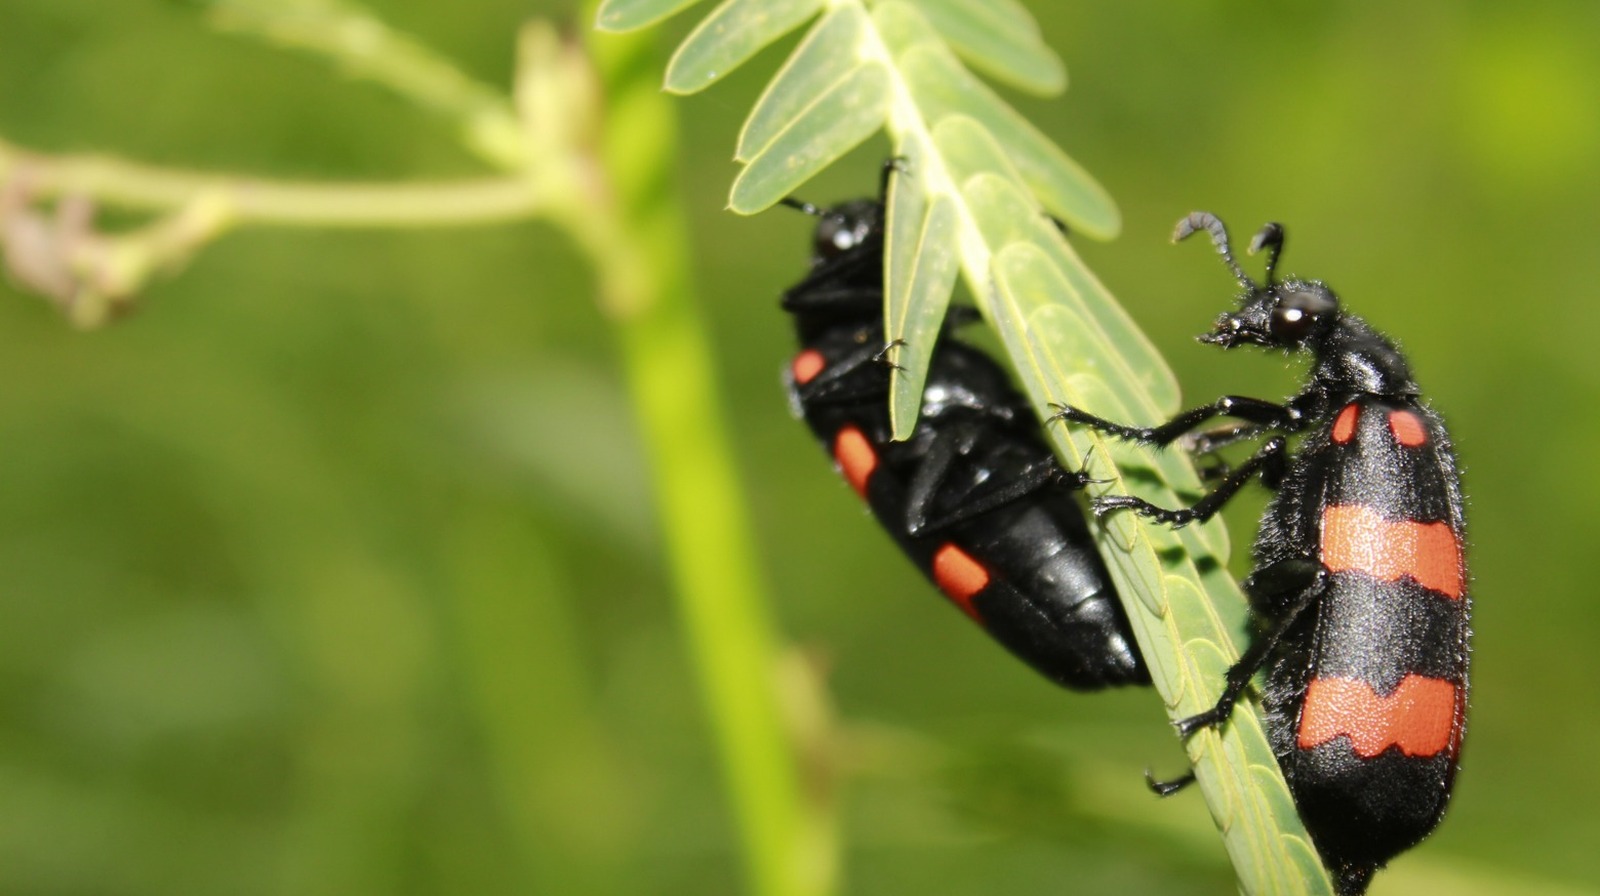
x=1360, y=586
x=975, y=497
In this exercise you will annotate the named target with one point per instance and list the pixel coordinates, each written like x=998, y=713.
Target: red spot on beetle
x=1407, y=428
x=960, y=576
x=1356, y=538
x=856, y=458
x=807, y=365
x=1344, y=425
x=1419, y=717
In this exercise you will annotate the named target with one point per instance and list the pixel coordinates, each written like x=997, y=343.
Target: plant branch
x=591, y=178
x=632, y=226
x=113, y=181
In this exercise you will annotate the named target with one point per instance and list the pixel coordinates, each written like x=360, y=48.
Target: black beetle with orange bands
x=975, y=497
x=1359, y=588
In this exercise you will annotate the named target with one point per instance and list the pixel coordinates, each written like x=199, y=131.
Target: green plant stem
x=260, y=201
x=629, y=221
x=644, y=281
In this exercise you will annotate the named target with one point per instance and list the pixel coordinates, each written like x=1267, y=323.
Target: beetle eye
x=837, y=235
x=1291, y=324
x=1298, y=313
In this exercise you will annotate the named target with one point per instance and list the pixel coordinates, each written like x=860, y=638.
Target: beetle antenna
x=802, y=206
x=1211, y=224
x=1269, y=237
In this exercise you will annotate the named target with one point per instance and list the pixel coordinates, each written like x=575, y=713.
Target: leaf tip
x=741, y=203
x=612, y=20
x=1055, y=82
x=678, y=83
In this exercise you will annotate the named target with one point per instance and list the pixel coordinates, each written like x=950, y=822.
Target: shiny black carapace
x=1359, y=588
x=975, y=497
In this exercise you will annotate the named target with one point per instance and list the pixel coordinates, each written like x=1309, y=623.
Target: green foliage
x=847, y=113
x=976, y=183
x=857, y=70
x=574, y=165
x=729, y=36
x=1001, y=39
x=336, y=569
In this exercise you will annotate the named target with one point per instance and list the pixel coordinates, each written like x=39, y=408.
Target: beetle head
x=1291, y=314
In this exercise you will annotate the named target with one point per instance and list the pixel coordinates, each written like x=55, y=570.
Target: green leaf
x=980, y=186
x=629, y=15
x=942, y=87
x=918, y=310
x=829, y=53
x=1002, y=39
x=726, y=39
x=913, y=337
x=835, y=123
x=1146, y=366
x=1007, y=17
x=1172, y=621
x=968, y=149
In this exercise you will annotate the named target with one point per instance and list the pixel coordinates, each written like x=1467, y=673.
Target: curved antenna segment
x=1211, y=224
x=802, y=206
x=1269, y=237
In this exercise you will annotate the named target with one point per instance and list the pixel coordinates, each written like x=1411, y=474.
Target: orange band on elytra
x=959, y=576
x=807, y=365
x=1408, y=429
x=1419, y=717
x=1344, y=425
x=1356, y=538
x=856, y=458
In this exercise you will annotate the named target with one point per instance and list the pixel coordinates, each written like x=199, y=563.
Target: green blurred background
x=333, y=570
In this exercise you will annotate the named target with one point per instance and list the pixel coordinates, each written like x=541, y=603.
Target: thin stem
x=115, y=181
x=620, y=208
x=644, y=282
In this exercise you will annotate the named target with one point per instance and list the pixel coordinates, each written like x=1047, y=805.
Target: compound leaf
x=1000, y=38
x=726, y=39
x=976, y=189
x=630, y=15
